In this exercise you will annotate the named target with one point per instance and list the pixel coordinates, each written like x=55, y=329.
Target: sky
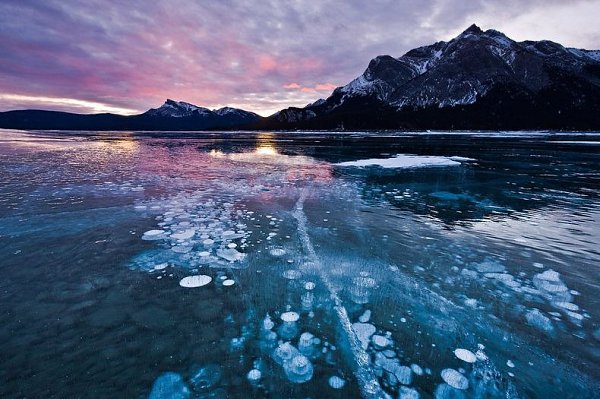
x=126, y=56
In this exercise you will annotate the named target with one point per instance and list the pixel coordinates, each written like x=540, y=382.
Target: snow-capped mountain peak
x=460, y=71
x=230, y=111
x=474, y=65
x=193, y=115
x=177, y=109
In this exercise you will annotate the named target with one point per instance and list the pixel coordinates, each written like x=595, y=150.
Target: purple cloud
x=129, y=56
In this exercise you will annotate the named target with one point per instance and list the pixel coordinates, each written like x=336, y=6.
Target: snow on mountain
x=229, y=111
x=475, y=65
x=177, y=109
x=460, y=71
x=226, y=116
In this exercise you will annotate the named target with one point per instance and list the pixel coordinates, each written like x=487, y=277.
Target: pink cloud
x=310, y=89
x=266, y=63
x=325, y=87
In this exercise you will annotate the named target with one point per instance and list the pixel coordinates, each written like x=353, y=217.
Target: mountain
x=478, y=80
x=177, y=109
x=172, y=115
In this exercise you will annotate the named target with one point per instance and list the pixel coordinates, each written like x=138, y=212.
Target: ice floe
x=206, y=377
x=361, y=289
x=169, y=385
x=403, y=161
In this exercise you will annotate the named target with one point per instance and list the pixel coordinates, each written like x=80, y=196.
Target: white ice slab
x=403, y=161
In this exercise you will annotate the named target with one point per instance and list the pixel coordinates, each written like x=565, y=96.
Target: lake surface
x=468, y=267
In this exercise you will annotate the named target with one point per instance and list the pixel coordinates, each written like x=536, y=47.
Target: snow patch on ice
x=403, y=161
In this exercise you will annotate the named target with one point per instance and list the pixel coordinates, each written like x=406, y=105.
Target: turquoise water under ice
x=470, y=268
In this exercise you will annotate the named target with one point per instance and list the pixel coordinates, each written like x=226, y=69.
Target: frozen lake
x=299, y=265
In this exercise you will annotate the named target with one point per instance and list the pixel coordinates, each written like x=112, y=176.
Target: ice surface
x=408, y=393
x=206, y=377
x=421, y=235
x=537, y=319
x=445, y=391
x=291, y=274
x=277, y=252
x=284, y=353
x=490, y=266
x=169, y=386
x=299, y=369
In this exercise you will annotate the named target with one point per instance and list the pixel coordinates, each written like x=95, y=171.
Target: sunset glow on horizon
x=109, y=56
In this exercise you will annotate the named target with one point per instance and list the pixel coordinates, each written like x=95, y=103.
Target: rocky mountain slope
x=478, y=80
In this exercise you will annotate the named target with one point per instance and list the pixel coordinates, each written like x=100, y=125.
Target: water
x=478, y=277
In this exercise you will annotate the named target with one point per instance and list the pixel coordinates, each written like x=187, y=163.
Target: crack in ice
x=367, y=381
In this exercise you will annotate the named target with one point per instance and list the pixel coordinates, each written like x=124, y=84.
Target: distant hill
x=172, y=115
